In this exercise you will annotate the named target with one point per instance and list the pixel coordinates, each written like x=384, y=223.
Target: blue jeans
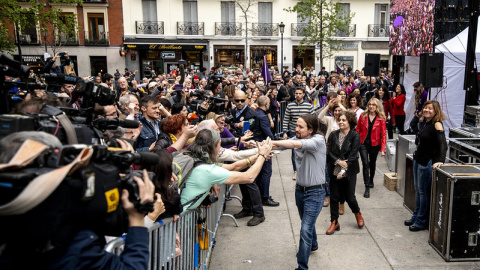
x=422, y=179
x=309, y=204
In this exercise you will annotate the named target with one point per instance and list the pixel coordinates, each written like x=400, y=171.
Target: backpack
x=182, y=166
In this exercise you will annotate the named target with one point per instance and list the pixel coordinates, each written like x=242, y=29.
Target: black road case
x=455, y=212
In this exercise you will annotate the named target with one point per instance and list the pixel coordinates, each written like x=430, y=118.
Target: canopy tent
x=452, y=95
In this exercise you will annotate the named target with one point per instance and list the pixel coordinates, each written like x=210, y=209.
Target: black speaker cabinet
x=431, y=69
x=455, y=212
x=372, y=64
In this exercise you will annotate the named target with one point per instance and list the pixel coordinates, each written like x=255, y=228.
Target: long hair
x=379, y=110
x=163, y=174
x=386, y=93
x=357, y=97
x=439, y=115
x=203, y=148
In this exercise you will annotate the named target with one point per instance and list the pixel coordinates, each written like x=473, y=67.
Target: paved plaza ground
x=384, y=242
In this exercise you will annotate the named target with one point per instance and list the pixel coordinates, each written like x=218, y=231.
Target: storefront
x=164, y=57
x=306, y=59
x=257, y=53
x=228, y=56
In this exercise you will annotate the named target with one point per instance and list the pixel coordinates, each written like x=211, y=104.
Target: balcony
x=265, y=29
x=96, y=38
x=297, y=29
x=378, y=30
x=27, y=39
x=228, y=29
x=149, y=28
x=190, y=28
x=351, y=31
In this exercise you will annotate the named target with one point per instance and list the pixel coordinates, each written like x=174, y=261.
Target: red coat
x=398, y=103
x=379, y=131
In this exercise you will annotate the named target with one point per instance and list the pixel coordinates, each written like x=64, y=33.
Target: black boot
x=367, y=192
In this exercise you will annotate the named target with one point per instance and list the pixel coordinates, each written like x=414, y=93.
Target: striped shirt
x=293, y=112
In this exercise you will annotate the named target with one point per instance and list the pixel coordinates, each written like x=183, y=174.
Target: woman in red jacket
x=373, y=138
x=384, y=96
x=398, y=102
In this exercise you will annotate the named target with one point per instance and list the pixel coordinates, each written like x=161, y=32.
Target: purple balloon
x=398, y=21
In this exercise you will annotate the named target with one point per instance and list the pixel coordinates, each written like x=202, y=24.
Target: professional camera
x=210, y=199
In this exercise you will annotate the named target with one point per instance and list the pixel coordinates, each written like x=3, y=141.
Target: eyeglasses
x=239, y=100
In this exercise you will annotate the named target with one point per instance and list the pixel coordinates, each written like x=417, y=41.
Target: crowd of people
x=411, y=31
x=229, y=122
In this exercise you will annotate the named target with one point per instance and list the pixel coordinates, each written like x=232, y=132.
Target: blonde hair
x=379, y=110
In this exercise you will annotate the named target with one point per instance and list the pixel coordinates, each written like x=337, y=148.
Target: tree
x=326, y=22
x=36, y=14
x=245, y=6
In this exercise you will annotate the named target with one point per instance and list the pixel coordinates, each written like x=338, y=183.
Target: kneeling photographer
x=58, y=202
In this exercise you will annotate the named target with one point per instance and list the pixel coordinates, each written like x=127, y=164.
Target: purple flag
x=265, y=72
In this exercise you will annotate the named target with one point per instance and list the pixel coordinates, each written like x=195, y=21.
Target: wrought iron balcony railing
x=27, y=39
x=265, y=29
x=149, y=27
x=96, y=38
x=297, y=29
x=190, y=28
x=228, y=29
x=378, y=30
x=351, y=31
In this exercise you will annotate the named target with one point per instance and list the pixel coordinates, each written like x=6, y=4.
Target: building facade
x=94, y=49
x=212, y=33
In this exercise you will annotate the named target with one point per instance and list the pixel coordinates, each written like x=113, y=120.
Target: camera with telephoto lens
x=210, y=199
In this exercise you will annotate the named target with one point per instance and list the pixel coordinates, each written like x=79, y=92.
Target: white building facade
x=212, y=33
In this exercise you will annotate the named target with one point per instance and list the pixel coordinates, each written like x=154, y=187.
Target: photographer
x=85, y=249
x=51, y=66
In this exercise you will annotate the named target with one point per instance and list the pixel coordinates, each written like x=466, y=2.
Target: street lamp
x=282, y=29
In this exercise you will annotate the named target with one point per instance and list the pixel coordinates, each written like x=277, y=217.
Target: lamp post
x=282, y=29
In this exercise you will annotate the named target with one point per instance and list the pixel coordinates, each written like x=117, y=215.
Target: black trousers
x=368, y=155
x=251, y=199
x=342, y=187
x=389, y=129
x=400, y=123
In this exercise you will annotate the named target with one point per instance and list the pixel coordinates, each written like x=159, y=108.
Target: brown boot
x=341, y=209
x=360, y=221
x=335, y=226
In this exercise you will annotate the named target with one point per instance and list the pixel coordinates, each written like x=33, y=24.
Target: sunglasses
x=239, y=100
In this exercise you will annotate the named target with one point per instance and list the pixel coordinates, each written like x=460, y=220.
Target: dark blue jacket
x=58, y=69
x=261, y=128
x=86, y=252
x=147, y=136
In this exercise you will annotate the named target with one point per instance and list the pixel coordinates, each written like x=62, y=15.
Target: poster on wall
x=411, y=27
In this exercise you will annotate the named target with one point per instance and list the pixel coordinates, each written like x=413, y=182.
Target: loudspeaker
x=372, y=64
x=431, y=69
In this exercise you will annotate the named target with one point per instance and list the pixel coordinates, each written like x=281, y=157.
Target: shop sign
x=168, y=55
x=31, y=58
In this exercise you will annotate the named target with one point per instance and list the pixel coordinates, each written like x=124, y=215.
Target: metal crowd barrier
x=283, y=108
x=162, y=237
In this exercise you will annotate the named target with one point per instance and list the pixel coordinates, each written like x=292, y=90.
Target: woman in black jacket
x=342, y=154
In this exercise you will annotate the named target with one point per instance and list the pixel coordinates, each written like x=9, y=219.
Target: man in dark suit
x=261, y=131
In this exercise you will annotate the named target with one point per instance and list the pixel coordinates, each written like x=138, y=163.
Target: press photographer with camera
x=51, y=66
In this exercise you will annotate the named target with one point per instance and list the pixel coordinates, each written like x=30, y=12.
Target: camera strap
x=43, y=185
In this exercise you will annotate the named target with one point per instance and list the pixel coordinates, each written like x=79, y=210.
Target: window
x=190, y=17
x=228, y=18
x=28, y=33
x=96, y=30
x=265, y=18
x=382, y=15
x=149, y=8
